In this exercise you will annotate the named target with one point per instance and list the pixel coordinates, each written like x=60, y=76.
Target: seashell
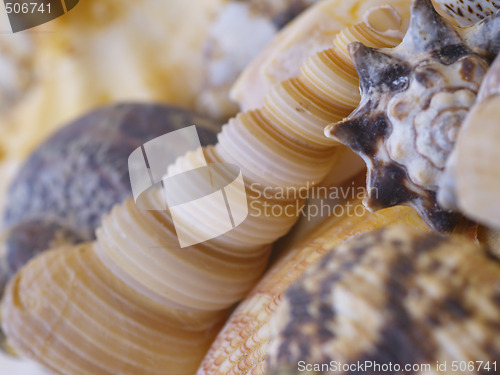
x=79, y=173
x=396, y=295
x=90, y=308
x=227, y=48
x=309, y=34
x=473, y=174
x=279, y=146
x=466, y=13
x=414, y=98
x=242, y=345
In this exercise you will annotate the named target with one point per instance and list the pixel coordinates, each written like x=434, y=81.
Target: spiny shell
x=473, y=170
x=279, y=146
x=242, y=345
x=79, y=173
x=396, y=295
x=414, y=98
x=468, y=12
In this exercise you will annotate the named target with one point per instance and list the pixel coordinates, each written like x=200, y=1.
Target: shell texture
x=242, y=345
x=414, y=99
x=468, y=12
x=473, y=173
x=137, y=251
x=396, y=295
x=78, y=174
x=309, y=34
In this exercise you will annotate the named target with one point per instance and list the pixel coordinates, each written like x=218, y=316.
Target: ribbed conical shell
x=395, y=296
x=67, y=311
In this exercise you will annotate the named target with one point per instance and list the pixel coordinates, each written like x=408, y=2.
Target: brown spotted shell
x=396, y=295
x=468, y=12
x=414, y=99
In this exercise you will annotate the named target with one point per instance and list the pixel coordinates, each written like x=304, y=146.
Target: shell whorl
x=137, y=254
x=414, y=99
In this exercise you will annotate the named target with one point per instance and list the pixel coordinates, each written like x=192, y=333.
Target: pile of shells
x=133, y=301
x=137, y=262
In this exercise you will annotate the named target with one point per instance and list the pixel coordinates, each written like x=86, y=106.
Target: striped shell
x=414, y=99
x=137, y=252
x=468, y=12
x=395, y=296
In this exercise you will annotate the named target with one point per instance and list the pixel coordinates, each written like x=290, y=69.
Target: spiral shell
x=309, y=34
x=414, y=99
x=279, y=145
x=396, y=295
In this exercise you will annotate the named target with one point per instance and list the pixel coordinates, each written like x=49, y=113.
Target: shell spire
x=414, y=98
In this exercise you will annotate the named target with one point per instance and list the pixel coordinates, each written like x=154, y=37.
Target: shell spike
x=375, y=69
x=428, y=31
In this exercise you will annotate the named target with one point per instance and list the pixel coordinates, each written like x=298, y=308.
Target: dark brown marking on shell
x=388, y=189
x=378, y=70
x=406, y=262
x=373, y=130
x=450, y=54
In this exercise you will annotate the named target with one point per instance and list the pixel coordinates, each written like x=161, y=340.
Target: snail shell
x=279, y=145
x=79, y=173
x=396, y=295
x=414, y=99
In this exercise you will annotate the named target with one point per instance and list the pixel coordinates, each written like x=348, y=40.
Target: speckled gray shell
x=414, y=99
x=392, y=296
x=79, y=173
